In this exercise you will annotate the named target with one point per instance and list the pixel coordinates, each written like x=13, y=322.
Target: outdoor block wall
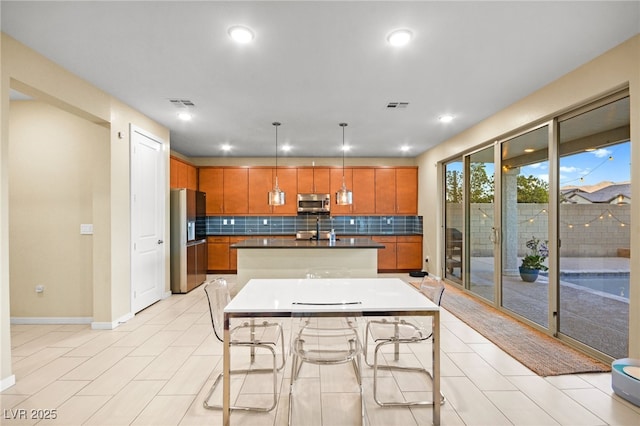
x=607, y=231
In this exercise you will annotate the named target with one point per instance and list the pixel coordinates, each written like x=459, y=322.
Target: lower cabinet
x=401, y=253
x=387, y=255
x=409, y=253
x=217, y=254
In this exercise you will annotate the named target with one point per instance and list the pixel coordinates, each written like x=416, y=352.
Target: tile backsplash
x=289, y=225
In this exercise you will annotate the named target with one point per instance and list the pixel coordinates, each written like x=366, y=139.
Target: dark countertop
x=275, y=243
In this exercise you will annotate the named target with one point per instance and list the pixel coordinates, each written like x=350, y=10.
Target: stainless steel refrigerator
x=188, y=240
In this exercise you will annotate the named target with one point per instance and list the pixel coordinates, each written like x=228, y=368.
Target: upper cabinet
x=376, y=190
x=397, y=191
x=227, y=190
x=364, y=191
x=211, y=181
x=182, y=175
x=335, y=181
x=236, y=191
x=313, y=180
x=288, y=182
x=261, y=182
x=407, y=191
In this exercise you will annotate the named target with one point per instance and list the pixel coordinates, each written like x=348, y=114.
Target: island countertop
x=280, y=243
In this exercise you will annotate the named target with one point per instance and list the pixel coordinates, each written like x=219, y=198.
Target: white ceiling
x=313, y=65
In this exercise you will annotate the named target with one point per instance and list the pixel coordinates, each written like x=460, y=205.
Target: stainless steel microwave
x=314, y=203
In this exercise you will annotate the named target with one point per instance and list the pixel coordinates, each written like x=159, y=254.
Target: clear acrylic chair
x=264, y=335
x=397, y=331
x=325, y=341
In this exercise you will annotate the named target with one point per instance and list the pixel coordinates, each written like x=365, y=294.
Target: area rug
x=542, y=354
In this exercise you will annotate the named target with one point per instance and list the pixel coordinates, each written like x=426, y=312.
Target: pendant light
x=344, y=197
x=277, y=196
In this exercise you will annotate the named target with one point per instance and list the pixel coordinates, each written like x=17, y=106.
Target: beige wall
x=51, y=162
x=32, y=74
x=613, y=70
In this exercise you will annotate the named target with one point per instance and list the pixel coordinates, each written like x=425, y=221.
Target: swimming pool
x=616, y=283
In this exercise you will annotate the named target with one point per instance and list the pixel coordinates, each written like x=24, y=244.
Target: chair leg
x=376, y=367
x=273, y=370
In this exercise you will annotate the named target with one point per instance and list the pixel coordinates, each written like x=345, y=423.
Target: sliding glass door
x=549, y=239
x=595, y=206
x=524, y=206
x=480, y=223
x=453, y=220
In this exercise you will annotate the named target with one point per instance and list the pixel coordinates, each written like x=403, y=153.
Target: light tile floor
x=157, y=368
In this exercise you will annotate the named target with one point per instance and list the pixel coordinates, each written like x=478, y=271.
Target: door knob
x=160, y=241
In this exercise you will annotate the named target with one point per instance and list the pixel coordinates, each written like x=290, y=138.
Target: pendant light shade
x=344, y=197
x=277, y=196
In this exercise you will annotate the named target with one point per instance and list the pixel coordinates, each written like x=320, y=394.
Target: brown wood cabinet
x=218, y=254
x=409, y=253
x=397, y=191
x=335, y=180
x=243, y=190
x=407, y=191
x=288, y=182
x=211, y=181
x=260, y=183
x=385, y=191
x=364, y=194
x=313, y=180
x=401, y=253
x=236, y=191
x=387, y=255
x=182, y=174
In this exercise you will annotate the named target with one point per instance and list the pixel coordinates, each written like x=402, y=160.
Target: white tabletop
x=368, y=295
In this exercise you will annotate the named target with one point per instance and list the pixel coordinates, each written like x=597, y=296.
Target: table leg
x=226, y=374
x=436, y=368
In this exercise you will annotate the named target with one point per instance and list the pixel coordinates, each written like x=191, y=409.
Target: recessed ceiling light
x=446, y=118
x=346, y=148
x=241, y=34
x=529, y=150
x=405, y=148
x=286, y=148
x=185, y=116
x=399, y=37
x=226, y=147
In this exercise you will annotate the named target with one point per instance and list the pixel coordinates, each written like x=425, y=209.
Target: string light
x=581, y=179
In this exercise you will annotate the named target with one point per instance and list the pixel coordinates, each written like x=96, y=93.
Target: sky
x=612, y=163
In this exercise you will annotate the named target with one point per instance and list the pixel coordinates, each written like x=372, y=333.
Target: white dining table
x=329, y=297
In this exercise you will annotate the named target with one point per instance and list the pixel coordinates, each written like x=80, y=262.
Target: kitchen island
x=291, y=258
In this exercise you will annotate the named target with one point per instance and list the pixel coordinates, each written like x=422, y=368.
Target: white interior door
x=147, y=219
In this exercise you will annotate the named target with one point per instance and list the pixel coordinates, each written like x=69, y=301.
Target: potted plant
x=533, y=262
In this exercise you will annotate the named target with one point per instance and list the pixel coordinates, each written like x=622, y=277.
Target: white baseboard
x=166, y=295
x=51, y=320
x=7, y=382
x=111, y=325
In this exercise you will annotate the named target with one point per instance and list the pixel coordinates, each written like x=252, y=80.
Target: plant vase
x=529, y=275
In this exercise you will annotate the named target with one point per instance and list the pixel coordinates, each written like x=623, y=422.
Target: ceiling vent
x=397, y=105
x=182, y=103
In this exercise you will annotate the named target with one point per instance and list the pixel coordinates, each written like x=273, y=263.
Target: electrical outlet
x=352, y=222
x=233, y=221
x=265, y=222
x=224, y=221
